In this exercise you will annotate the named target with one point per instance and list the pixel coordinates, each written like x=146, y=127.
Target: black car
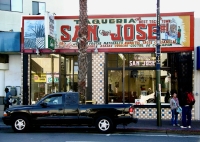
x=64, y=109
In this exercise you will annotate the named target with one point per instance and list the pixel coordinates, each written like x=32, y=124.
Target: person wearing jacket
x=174, y=104
x=186, y=111
x=7, y=99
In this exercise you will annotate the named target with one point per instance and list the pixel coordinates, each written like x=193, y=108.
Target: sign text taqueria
x=128, y=32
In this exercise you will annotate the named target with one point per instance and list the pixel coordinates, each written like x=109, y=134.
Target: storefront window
x=53, y=73
x=139, y=86
x=140, y=82
x=120, y=60
x=44, y=75
x=112, y=60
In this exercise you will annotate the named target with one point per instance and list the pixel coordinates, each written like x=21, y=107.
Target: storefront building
x=110, y=38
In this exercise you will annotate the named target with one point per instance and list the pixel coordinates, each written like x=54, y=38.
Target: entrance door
x=115, y=86
x=68, y=73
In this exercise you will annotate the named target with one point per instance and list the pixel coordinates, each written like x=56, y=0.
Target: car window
x=53, y=100
x=71, y=98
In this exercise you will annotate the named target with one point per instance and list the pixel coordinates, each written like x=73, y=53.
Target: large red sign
x=119, y=33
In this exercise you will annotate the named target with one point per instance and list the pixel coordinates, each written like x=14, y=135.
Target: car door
x=49, y=111
x=71, y=111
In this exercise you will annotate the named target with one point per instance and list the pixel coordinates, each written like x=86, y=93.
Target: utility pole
x=158, y=86
x=123, y=79
x=82, y=49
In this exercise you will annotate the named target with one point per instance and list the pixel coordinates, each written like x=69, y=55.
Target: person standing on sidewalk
x=174, y=104
x=7, y=99
x=187, y=103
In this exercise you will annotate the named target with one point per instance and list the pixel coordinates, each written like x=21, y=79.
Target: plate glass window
x=38, y=8
x=11, y=5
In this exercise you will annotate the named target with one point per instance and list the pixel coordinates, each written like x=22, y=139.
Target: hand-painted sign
x=126, y=32
x=117, y=31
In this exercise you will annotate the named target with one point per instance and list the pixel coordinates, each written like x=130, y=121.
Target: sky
x=136, y=6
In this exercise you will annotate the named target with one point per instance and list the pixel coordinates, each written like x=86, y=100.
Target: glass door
x=115, y=86
x=68, y=73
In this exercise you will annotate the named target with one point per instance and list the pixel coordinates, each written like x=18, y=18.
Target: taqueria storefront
x=110, y=38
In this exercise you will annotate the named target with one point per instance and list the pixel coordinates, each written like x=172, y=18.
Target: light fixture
x=122, y=56
x=37, y=51
x=96, y=49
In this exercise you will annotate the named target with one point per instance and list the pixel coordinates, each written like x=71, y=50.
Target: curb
x=166, y=131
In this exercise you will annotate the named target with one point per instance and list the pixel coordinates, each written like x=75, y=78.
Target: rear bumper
x=6, y=120
x=126, y=120
x=134, y=120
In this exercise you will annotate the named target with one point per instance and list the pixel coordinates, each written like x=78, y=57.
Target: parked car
x=64, y=109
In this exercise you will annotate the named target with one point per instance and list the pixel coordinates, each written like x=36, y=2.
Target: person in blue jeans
x=186, y=112
x=174, y=104
x=186, y=116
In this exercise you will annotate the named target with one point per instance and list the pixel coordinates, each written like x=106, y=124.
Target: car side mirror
x=43, y=104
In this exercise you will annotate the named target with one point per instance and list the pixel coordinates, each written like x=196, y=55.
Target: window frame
x=11, y=7
x=38, y=6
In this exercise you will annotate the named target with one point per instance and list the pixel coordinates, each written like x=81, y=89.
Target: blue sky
x=135, y=6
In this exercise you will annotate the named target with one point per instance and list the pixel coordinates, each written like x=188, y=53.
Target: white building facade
x=11, y=69
x=11, y=12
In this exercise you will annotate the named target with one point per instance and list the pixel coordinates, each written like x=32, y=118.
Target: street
x=89, y=135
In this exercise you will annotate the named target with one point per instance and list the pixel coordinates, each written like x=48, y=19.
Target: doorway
x=68, y=73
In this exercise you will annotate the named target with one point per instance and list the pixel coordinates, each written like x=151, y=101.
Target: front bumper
x=6, y=120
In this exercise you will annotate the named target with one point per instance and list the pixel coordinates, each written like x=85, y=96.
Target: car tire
x=20, y=124
x=104, y=124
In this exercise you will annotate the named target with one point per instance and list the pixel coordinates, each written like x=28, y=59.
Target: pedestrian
x=186, y=104
x=174, y=104
x=7, y=99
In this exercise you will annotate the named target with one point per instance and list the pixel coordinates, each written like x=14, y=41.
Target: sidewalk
x=151, y=127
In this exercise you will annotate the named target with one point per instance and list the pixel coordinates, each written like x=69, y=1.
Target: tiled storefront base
x=151, y=113
x=98, y=78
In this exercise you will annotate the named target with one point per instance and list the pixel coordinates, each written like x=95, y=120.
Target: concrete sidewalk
x=146, y=125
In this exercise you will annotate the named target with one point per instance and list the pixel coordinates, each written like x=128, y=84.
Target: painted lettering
x=118, y=36
x=65, y=35
x=151, y=31
x=142, y=35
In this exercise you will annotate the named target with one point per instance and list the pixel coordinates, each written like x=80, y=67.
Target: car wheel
x=20, y=124
x=104, y=124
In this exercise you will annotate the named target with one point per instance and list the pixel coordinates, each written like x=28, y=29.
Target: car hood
x=21, y=107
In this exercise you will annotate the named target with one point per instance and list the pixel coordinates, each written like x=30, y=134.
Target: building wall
x=196, y=72
x=12, y=20
x=13, y=75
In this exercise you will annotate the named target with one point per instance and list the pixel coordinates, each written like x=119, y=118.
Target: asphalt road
x=89, y=135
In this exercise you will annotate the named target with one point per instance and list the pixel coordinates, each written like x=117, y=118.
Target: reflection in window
x=16, y=5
